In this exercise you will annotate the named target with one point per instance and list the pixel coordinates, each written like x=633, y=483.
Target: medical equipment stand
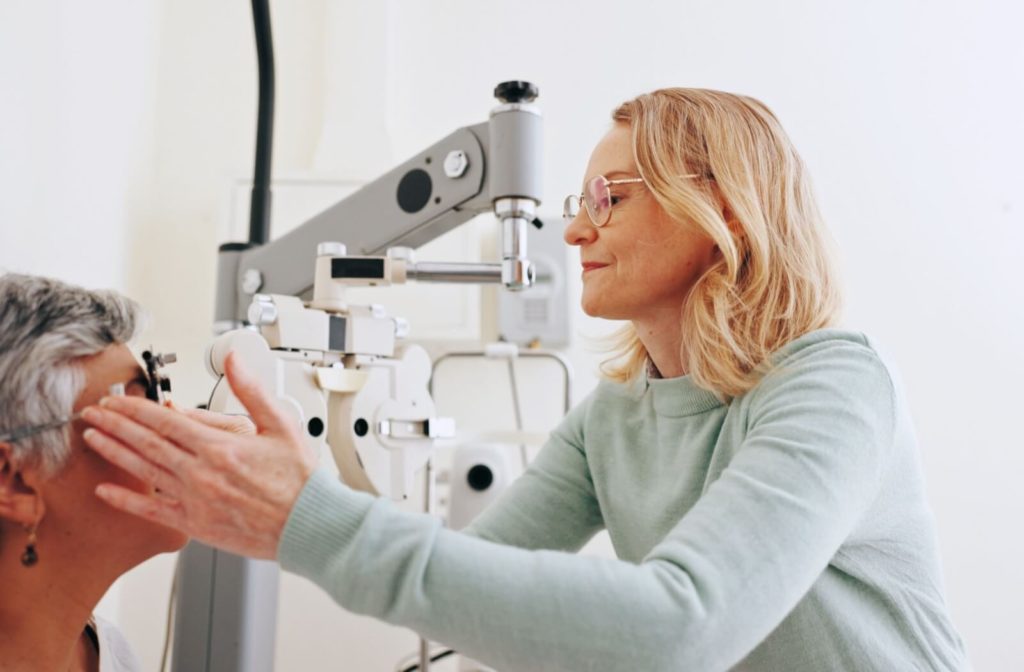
x=225, y=617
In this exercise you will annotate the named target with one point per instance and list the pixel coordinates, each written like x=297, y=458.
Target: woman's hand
x=224, y=483
x=236, y=424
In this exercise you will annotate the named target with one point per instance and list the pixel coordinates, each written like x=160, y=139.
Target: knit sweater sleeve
x=730, y=570
x=552, y=505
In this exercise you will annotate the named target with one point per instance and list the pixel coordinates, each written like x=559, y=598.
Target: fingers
x=166, y=422
x=237, y=424
x=158, y=510
x=262, y=407
x=127, y=459
x=143, y=440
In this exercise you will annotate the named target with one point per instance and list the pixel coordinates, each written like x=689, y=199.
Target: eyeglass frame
x=582, y=200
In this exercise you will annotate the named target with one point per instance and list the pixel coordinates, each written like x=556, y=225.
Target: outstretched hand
x=236, y=424
x=224, y=481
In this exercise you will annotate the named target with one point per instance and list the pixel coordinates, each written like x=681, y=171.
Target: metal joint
x=252, y=280
x=456, y=164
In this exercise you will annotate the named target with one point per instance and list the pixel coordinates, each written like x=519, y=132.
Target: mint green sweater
x=787, y=530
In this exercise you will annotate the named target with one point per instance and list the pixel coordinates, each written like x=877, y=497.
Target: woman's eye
x=615, y=200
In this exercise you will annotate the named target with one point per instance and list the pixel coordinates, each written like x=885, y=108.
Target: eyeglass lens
x=598, y=200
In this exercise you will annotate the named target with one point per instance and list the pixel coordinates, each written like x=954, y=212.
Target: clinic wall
x=74, y=130
x=906, y=114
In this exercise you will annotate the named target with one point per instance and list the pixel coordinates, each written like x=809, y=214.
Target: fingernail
x=105, y=401
x=102, y=491
x=90, y=414
x=89, y=433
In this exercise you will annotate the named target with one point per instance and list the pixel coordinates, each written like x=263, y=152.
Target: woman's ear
x=732, y=222
x=20, y=501
x=728, y=215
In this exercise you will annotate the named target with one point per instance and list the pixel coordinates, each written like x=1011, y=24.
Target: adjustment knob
x=262, y=311
x=401, y=253
x=331, y=249
x=516, y=92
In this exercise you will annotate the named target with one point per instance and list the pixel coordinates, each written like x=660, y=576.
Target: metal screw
x=252, y=280
x=456, y=163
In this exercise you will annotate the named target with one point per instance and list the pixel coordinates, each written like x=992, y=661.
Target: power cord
x=169, y=627
x=416, y=666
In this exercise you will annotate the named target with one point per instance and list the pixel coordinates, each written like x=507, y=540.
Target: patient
x=61, y=349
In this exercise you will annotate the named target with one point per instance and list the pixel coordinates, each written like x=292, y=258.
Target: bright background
x=126, y=126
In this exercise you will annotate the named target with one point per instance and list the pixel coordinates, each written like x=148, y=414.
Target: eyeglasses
x=156, y=384
x=597, y=198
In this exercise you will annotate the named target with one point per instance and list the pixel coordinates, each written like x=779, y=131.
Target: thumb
x=263, y=408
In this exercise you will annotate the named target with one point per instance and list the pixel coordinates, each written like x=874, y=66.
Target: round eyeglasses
x=597, y=198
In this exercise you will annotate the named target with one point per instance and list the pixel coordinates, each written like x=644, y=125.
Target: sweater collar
x=677, y=397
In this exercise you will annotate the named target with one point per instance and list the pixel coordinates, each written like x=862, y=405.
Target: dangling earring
x=30, y=557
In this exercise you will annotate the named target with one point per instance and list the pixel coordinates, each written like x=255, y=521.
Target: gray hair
x=46, y=327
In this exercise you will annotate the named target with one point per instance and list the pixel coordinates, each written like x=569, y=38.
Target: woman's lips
x=592, y=266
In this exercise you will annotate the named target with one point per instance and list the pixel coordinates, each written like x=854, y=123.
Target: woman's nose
x=579, y=230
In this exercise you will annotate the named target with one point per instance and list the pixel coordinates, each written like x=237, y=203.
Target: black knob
x=480, y=477
x=516, y=92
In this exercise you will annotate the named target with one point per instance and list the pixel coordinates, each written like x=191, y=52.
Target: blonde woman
x=61, y=349
x=755, y=466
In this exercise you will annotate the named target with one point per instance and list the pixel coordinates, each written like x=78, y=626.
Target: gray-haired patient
x=62, y=348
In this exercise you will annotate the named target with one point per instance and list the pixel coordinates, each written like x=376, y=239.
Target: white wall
x=907, y=113
x=75, y=103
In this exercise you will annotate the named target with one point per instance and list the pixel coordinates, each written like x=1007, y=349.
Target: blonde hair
x=774, y=280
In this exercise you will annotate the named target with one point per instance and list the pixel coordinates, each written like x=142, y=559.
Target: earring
x=30, y=557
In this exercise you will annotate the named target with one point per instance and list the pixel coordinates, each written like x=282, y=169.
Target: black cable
x=444, y=654
x=259, y=209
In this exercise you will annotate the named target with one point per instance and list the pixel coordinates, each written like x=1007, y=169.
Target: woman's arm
x=818, y=441
x=721, y=580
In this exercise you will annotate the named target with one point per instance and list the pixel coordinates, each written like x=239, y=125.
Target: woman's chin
x=592, y=305
x=600, y=308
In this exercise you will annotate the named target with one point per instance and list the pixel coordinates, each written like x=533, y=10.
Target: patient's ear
x=20, y=500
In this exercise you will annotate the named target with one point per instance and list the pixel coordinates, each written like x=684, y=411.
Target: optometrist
x=754, y=465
